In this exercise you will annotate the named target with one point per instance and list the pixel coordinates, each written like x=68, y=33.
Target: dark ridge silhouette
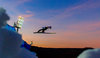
x=58, y=52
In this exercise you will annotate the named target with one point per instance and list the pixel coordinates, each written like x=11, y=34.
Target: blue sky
x=76, y=22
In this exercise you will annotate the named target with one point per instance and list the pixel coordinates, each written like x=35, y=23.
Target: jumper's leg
x=39, y=30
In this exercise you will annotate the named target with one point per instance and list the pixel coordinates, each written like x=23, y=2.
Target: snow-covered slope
x=10, y=41
x=91, y=53
x=10, y=45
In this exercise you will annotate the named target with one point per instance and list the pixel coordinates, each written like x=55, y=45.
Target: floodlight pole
x=18, y=29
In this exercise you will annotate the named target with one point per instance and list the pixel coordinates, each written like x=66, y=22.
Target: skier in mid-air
x=44, y=29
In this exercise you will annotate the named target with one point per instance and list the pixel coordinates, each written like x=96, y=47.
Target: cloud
x=18, y=2
x=85, y=26
x=75, y=9
x=91, y=53
x=13, y=4
x=27, y=15
x=28, y=11
x=89, y=4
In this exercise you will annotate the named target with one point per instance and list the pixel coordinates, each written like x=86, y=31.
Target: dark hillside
x=58, y=52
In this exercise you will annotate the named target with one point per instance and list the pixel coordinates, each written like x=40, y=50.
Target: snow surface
x=91, y=53
x=10, y=45
x=10, y=41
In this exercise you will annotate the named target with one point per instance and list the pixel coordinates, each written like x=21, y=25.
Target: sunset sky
x=76, y=22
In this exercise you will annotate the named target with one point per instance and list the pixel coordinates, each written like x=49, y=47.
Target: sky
x=75, y=22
